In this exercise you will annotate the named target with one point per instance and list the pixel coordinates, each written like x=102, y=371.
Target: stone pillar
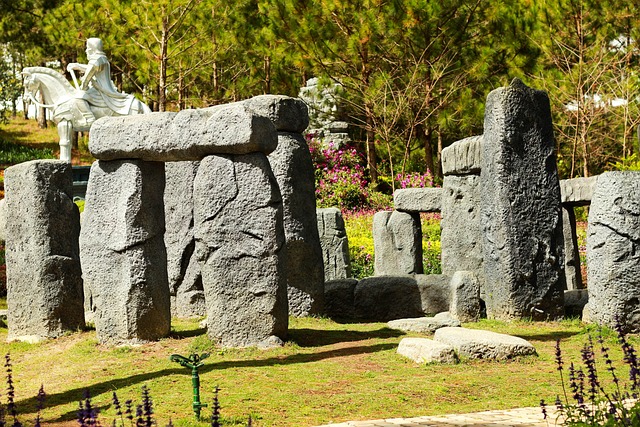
x=613, y=251
x=239, y=235
x=185, y=280
x=572, y=272
x=397, y=242
x=520, y=207
x=122, y=251
x=293, y=168
x=334, y=244
x=44, y=281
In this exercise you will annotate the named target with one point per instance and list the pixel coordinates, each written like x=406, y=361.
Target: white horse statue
x=64, y=99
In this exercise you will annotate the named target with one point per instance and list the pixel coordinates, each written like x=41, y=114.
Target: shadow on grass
x=187, y=333
x=28, y=406
x=317, y=338
x=550, y=336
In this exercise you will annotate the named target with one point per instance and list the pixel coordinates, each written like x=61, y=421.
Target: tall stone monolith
x=240, y=244
x=520, y=207
x=44, y=281
x=293, y=168
x=185, y=280
x=124, y=260
x=613, y=251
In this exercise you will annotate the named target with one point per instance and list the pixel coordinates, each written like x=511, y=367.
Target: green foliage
x=359, y=226
x=12, y=153
x=630, y=163
x=431, y=251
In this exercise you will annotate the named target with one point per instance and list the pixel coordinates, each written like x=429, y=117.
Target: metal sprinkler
x=193, y=362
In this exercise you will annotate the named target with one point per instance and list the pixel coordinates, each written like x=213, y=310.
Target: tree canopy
x=416, y=73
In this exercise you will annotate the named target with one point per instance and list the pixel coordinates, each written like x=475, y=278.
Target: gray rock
x=187, y=135
x=293, y=168
x=520, y=207
x=397, y=241
x=613, y=251
x=424, y=325
x=572, y=272
x=461, y=231
x=385, y=298
x=424, y=350
x=3, y=219
x=478, y=344
x=183, y=270
x=418, y=199
x=338, y=299
x=577, y=191
x=239, y=235
x=286, y=113
x=44, y=281
x=122, y=251
x=334, y=244
x=574, y=301
x=435, y=293
x=462, y=157
x=465, y=296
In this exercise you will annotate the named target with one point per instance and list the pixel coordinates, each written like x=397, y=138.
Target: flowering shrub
x=341, y=180
x=415, y=180
x=590, y=404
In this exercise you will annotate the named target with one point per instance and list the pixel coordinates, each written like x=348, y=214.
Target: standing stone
x=520, y=214
x=44, y=281
x=293, y=168
x=122, y=251
x=613, y=251
x=572, y=272
x=465, y=297
x=185, y=280
x=461, y=231
x=334, y=244
x=397, y=241
x=239, y=243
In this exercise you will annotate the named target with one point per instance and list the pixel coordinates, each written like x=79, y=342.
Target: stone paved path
x=521, y=417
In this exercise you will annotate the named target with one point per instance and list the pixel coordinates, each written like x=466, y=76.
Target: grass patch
x=326, y=372
x=12, y=153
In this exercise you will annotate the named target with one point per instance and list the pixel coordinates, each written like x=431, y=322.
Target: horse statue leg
x=65, y=132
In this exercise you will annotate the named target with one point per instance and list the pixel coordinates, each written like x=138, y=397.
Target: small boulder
x=478, y=344
x=423, y=350
x=424, y=325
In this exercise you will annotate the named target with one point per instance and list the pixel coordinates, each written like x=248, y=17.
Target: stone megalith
x=122, y=251
x=613, y=251
x=397, y=241
x=334, y=244
x=293, y=168
x=240, y=242
x=44, y=281
x=520, y=207
x=183, y=270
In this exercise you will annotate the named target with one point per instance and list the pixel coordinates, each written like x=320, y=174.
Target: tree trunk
x=42, y=113
x=162, y=83
x=267, y=74
x=428, y=149
x=372, y=160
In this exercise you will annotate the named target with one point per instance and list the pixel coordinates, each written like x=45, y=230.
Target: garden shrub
x=12, y=153
x=586, y=400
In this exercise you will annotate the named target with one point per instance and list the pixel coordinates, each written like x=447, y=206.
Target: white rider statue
x=96, y=87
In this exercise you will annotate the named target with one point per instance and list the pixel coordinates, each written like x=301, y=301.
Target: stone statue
x=76, y=107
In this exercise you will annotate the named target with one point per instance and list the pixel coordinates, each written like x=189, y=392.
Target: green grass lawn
x=327, y=372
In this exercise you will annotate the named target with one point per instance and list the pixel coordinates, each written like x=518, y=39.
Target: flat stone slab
x=424, y=325
x=462, y=157
x=424, y=350
x=418, y=199
x=479, y=344
x=577, y=191
x=187, y=135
